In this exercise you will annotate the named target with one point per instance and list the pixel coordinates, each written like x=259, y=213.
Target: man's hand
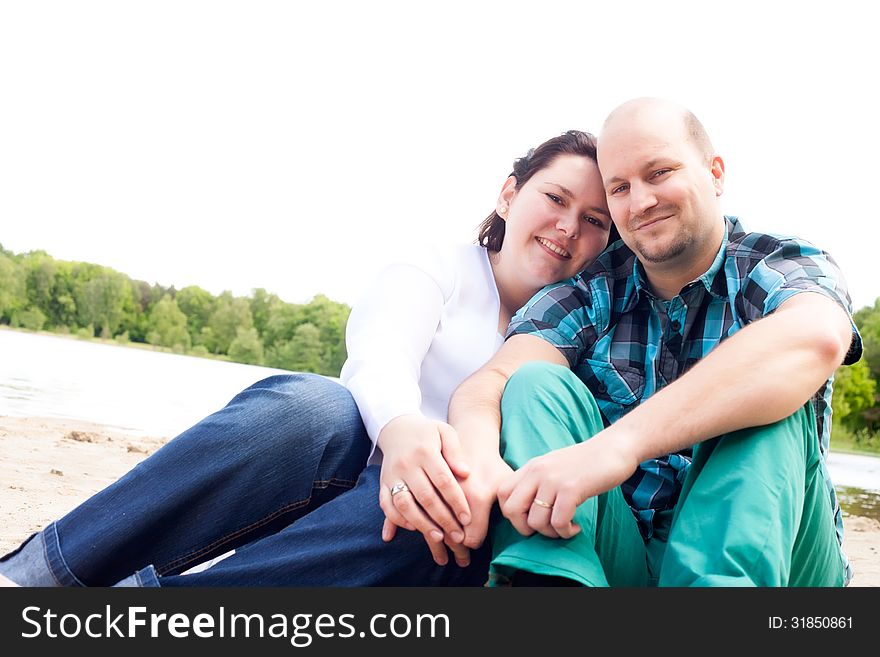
x=426, y=456
x=475, y=411
x=543, y=494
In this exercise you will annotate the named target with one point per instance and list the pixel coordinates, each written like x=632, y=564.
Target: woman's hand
x=488, y=471
x=426, y=456
x=543, y=494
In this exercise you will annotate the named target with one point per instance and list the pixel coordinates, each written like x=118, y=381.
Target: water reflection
x=859, y=502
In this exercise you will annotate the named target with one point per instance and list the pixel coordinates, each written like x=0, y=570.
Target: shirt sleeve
x=560, y=314
x=796, y=266
x=387, y=336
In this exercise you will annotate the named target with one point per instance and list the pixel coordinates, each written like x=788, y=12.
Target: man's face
x=662, y=191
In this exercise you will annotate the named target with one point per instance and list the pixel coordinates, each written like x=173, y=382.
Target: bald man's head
x=667, y=112
x=663, y=181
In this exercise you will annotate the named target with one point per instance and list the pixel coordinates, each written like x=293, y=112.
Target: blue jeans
x=278, y=475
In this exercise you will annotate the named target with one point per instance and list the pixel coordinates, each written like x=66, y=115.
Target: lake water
x=162, y=394
x=139, y=390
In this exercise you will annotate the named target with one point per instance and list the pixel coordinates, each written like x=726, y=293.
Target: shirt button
x=675, y=325
x=602, y=388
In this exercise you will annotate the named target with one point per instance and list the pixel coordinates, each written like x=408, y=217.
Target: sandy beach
x=51, y=465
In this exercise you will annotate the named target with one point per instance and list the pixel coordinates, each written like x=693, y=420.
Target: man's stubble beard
x=659, y=253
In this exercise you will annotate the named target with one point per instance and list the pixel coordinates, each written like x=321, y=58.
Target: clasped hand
x=543, y=494
x=449, y=494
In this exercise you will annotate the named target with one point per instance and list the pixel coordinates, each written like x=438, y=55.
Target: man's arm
x=475, y=413
x=760, y=375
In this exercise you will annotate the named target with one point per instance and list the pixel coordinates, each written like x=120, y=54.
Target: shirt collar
x=713, y=280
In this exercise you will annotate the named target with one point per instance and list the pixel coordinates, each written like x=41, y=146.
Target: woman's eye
x=592, y=220
x=554, y=198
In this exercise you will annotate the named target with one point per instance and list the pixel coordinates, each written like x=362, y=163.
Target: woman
x=277, y=475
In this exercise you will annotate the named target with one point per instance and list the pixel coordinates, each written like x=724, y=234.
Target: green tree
x=868, y=321
x=167, y=325
x=62, y=308
x=102, y=302
x=13, y=291
x=79, y=297
x=136, y=322
x=246, y=347
x=40, y=279
x=328, y=317
x=198, y=305
x=331, y=318
x=32, y=319
x=230, y=314
x=854, y=391
x=262, y=306
x=80, y=274
x=281, y=324
x=302, y=353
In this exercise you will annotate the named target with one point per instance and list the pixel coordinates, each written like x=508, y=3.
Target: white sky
x=300, y=146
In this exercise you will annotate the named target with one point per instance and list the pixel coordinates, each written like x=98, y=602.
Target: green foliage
x=32, y=319
x=82, y=299
x=302, y=353
x=102, y=302
x=39, y=270
x=230, y=314
x=13, y=292
x=62, y=308
x=854, y=391
x=868, y=321
x=845, y=439
x=167, y=326
x=263, y=305
x=283, y=347
x=331, y=318
x=136, y=320
x=198, y=305
x=856, y=403
x=246, y=347
x=199, y=350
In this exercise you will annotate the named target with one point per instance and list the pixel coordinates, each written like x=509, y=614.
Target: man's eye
x=660, y=172
x=619, y=189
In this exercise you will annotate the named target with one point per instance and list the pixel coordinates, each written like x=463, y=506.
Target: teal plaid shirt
x=625, y=344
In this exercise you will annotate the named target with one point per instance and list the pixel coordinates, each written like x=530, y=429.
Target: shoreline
x=51, y=465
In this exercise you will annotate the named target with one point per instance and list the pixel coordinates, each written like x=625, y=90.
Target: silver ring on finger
x=399, y=487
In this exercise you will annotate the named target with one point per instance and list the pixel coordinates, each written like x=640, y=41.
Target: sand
x=49, y=466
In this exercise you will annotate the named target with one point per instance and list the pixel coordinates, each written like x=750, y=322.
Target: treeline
x=38, y=292
x=856, y=402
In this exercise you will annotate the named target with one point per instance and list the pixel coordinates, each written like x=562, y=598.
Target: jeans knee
x=305, y=394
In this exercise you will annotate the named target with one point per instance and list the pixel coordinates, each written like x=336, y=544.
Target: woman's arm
x=388, y=334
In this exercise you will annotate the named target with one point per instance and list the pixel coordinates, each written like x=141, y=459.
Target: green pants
x=753, y=511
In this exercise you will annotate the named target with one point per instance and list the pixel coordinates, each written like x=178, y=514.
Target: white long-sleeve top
x=417, y=333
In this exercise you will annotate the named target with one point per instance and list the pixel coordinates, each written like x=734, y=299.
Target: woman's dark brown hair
x=573, y=142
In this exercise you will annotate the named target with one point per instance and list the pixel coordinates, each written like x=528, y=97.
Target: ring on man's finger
x=399, y=487
x=542, y=503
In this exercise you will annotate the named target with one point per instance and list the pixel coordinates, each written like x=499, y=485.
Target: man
x=674, y=427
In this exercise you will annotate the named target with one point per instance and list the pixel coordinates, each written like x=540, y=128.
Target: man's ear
x=717, y=170
x=505, y=198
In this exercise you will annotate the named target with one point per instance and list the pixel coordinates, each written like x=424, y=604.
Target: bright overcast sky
x=300, y=146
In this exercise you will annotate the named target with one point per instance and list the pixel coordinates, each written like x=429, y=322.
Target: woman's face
x=557, y=222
